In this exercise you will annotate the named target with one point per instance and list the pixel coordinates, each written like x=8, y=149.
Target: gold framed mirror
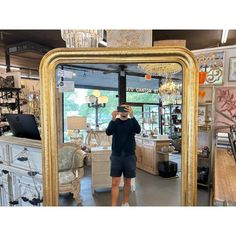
x=110, y=55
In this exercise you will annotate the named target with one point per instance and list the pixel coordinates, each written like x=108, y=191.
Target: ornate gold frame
x=120, y=55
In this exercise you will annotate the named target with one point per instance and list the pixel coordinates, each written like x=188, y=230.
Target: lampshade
x=76, y=122
x=92, y=99
x=102, y=99
x=96, y=93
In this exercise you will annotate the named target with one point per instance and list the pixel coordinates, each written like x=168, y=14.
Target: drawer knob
x=14, y=202
x=32, y=173
x=25, y=199
x=22, y=158
x=35, y=201
x=5, y=172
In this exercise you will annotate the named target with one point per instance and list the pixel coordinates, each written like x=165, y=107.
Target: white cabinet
x=101, y=169
x=28, y=190
x=3, y=152
x=26, y=158
x=20, y=172
x=5, y=189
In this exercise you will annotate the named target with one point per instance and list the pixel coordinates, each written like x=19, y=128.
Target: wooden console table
x=148, y=152
x=224, y=179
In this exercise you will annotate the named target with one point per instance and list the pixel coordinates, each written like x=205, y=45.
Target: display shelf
x=9, y=103
x=204, y=103
x=171, y=120
x=205, y=136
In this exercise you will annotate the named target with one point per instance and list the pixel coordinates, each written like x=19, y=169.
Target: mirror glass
x=87, y=94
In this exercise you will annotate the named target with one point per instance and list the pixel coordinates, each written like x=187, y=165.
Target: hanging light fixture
x=160, y=69
x=169, y=92
x=82, y=38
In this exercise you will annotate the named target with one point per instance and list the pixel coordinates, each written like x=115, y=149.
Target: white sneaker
x=126, y=204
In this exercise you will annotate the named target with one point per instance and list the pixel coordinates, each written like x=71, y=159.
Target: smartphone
x=121, y=109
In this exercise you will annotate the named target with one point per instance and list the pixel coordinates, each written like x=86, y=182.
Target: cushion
x=66, y=177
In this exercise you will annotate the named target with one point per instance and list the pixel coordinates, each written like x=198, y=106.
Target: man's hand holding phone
x=114, y=114
x=130, y=111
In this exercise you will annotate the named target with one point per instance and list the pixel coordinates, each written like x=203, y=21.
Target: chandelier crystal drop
x=82, y=38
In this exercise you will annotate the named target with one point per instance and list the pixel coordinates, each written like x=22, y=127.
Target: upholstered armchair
x=71, y=169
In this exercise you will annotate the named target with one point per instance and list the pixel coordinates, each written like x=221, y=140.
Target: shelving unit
x=150, y=120
x=206, y=137
x=172, y=120
x=203, y=170
x=10, y=102
x=10, y=97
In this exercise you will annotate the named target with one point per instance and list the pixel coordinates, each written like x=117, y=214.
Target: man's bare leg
x=115, y=190
x=127, y=186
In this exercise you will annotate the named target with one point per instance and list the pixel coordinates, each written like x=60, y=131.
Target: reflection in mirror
x=87, y=94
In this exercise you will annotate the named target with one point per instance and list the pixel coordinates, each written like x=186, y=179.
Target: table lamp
x=74, y=125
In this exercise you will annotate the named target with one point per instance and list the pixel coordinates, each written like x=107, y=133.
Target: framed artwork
x=202, y=110
x=212, y=63
x=225, y=108
x=232, y=69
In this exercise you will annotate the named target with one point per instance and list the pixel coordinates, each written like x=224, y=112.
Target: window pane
x=75, y=105
x=141, y=90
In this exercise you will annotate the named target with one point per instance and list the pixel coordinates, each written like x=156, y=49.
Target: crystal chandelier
x=82, y=38
x=160, y=69
x=169, y=92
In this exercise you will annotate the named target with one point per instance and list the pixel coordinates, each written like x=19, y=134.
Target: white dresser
x=101, y=169
x=20, y=172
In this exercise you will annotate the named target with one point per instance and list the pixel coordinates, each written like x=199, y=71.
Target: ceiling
x=195, y=39
x=49, y=39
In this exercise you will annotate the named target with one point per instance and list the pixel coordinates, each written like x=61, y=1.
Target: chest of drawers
x=20, y=172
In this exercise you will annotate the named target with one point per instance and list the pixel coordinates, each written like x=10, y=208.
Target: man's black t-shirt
x=123, y=132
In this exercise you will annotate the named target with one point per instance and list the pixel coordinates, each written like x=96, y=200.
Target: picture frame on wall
x=202, y=111
x=232, y=69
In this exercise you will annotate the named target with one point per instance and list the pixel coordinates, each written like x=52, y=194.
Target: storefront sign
x=142, y=90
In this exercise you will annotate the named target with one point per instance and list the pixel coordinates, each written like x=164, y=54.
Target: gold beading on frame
x=110, y=55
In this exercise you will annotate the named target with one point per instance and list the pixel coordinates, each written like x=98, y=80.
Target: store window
x=75, y=104
x=143, y=96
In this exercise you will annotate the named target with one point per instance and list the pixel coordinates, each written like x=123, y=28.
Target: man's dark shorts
x=123, y=164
